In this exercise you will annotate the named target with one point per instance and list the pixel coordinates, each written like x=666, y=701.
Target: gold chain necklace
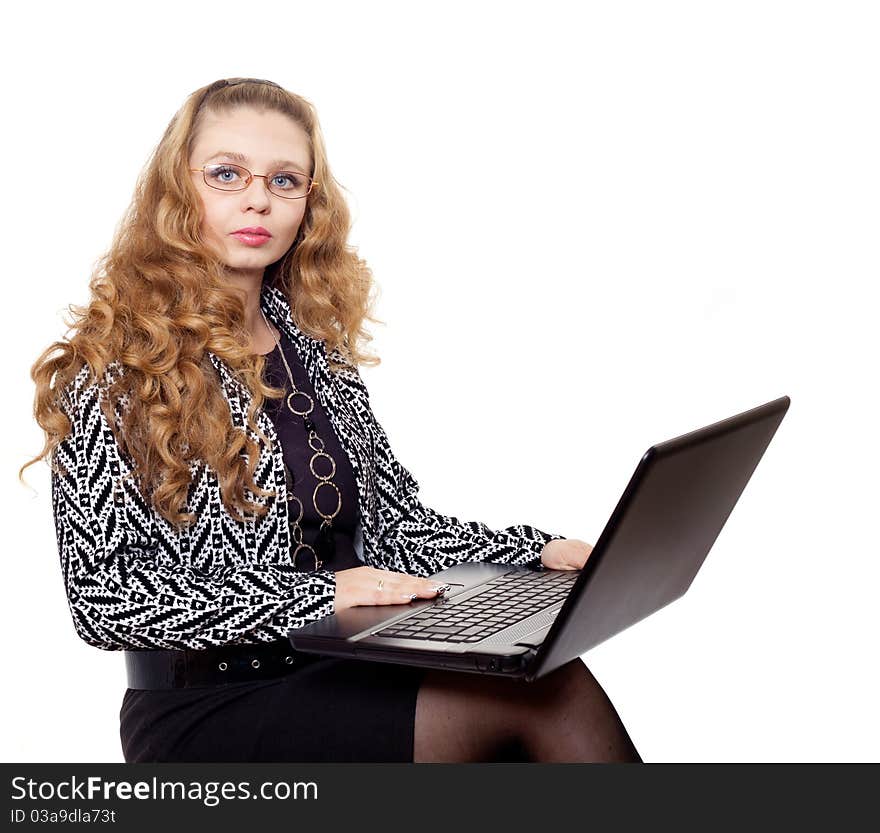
x=324, y=542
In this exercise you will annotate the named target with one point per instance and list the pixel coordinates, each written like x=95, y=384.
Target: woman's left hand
x=565, y=554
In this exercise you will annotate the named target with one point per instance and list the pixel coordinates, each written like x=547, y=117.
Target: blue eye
x=224, y=174
x=292, y=182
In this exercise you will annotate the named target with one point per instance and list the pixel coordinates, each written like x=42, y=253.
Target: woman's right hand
x=360, y=586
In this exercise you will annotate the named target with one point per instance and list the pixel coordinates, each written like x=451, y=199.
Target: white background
x=595, y=226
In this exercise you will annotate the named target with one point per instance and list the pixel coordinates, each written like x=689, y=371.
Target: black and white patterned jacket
x=135, y=582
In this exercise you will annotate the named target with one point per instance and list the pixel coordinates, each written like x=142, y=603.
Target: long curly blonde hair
x=159, y=302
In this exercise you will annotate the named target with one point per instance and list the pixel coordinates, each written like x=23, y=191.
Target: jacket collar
x=351, y=428
x=277, y=309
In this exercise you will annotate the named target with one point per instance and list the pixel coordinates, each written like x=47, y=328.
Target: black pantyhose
x=565, y=716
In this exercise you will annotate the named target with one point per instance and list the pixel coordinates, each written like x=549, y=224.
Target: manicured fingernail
x=409, y=597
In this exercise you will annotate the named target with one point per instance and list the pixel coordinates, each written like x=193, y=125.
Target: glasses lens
x=289, y=184
x=226, y=177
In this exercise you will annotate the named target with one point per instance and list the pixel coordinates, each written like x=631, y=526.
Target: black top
x=293, y=436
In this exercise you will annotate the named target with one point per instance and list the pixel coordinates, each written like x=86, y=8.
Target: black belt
x=213, y=666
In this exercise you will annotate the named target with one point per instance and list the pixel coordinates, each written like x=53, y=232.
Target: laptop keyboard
x=505, y=600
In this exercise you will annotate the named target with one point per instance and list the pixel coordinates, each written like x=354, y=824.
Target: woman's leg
x=563, y=717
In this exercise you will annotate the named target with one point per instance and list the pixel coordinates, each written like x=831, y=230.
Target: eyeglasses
x=227, y=177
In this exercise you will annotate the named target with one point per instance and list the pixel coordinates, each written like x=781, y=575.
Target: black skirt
x=332, y=710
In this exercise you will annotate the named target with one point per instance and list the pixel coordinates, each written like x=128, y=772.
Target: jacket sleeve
x=124, y=594
x=421, y=541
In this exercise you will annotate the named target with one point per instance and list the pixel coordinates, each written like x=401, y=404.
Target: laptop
x=524, y=623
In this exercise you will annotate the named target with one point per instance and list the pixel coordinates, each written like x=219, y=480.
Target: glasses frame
x=251, y=177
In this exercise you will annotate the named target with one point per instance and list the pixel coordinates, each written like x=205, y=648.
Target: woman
x=218, y=476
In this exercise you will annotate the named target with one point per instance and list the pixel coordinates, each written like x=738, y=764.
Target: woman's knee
x=467, y=717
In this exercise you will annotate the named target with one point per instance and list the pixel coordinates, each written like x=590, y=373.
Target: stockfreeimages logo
x=209, y=793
